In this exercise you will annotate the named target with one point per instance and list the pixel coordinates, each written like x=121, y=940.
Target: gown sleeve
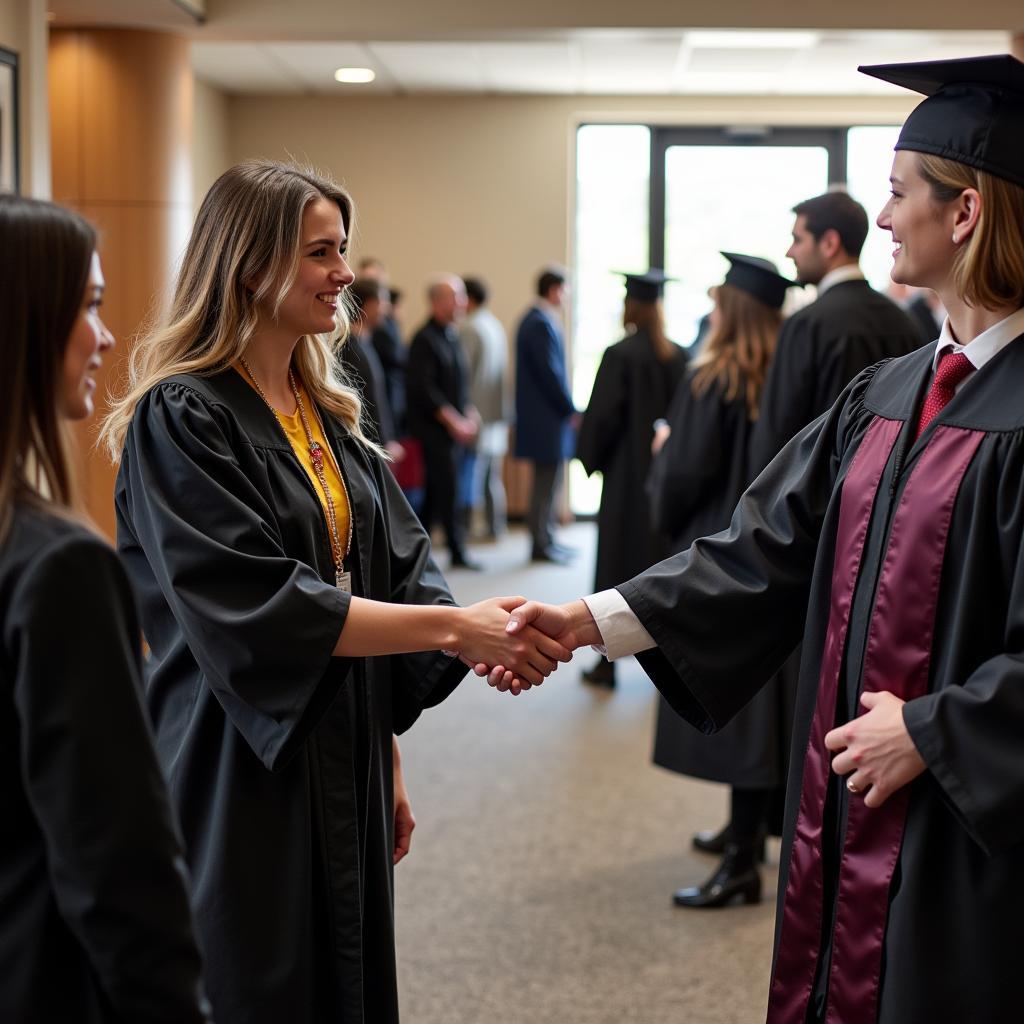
x=750, y=581
x=261, y=625
x=970, y=735
x=425, y=679
x=684, y=472
x=92, y=780
x=604, y=420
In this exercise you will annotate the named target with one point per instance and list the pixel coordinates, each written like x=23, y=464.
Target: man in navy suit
x=545, y=413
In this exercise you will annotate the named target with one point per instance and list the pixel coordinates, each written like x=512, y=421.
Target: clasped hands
x=517, y=643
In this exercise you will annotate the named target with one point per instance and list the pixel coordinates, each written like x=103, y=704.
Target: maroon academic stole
x=896, y=659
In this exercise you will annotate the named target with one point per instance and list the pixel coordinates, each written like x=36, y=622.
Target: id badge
x=344, y=581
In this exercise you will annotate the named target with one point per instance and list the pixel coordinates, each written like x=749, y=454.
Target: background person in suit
x=485, y=346
x=823, y=346
x=440, y=415
x=545, y=413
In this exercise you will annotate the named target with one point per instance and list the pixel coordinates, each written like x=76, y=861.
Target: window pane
x=869, y=161
x=733, y=198
x=612, y=187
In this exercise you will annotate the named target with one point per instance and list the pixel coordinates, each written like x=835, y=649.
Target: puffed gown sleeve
x=729, y=610
x=92, y=780
x=424, y=679
x=261, y=625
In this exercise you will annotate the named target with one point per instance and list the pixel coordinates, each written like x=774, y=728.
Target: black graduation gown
x=693, y=486
x=632, y=389
x=728, y=611
x=279, y=754
x=94, y=916
x=821, y=348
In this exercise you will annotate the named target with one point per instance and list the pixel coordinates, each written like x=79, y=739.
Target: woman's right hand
x=483, y=639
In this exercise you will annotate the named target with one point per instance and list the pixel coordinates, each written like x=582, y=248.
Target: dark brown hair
x=836, y=211
x=649, y=317
x=45, y=255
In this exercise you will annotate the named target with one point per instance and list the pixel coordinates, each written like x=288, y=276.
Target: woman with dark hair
x=94, y=916
x=889, y=534
x=634, y=384
x=699, y=471
x=295, y=613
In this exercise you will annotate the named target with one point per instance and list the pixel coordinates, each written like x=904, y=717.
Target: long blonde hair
x=248, y=230
x=649, y=317
x=737, y=352
x=988, y=269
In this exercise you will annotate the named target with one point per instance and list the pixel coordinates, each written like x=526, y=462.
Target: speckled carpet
x=548, y=847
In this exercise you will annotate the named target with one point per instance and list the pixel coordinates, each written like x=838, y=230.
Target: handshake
x=517, y=643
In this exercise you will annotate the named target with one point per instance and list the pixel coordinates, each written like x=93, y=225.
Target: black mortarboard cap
x=647, y=287
x=974, y=113
x=759, y=278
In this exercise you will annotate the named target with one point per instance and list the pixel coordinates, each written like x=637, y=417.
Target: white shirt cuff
x=620, y=629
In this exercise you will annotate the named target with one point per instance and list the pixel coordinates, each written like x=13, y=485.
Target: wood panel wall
x=120, y=127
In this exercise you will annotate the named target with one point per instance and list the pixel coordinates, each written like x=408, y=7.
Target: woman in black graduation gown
x=633, y=387
x=890, y=534
x=94, y=916
x=258, y=522
x=696, y=478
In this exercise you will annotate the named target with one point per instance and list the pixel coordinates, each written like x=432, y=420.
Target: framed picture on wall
x=8, y=121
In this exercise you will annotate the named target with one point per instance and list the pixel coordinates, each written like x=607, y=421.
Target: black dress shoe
x=550, y=555
x=735, y=877
x=714, y=842
x=465, y=562
x=602, y=674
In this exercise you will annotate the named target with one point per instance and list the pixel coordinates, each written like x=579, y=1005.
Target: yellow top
x=300, y=444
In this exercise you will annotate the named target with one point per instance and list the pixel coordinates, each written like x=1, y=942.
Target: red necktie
x=953, y=367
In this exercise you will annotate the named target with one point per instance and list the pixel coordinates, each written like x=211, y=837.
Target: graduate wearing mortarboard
x=633, y=387
x=889, y=536
x=698, y=473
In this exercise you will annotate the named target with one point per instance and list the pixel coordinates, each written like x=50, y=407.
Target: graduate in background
x=633, y=387
x=94, y=916
x=889, y=534
x=699, y=471
x=286, y=587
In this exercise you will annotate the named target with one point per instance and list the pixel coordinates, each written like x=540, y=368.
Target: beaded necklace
x=342, y=578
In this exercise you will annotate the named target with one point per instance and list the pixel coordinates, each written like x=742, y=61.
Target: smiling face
x=922, y=228
x=312, y=303
x=83, y=355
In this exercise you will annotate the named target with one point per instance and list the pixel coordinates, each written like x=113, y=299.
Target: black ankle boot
x=715, y=842
x=736, y=876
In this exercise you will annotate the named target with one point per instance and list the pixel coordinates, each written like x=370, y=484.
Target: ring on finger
x=851, y=787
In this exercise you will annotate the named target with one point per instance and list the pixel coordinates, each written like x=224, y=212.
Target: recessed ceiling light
x=769, y=39
x=355, y=76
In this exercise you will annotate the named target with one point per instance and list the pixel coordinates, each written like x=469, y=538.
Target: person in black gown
x=286, y=587
x=889, y=534
x=94, y=916
x=633, y=387
x=697, y=476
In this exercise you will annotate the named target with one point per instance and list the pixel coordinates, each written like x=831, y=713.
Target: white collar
x=987, y=344
x=847, y=272
x=550, y=311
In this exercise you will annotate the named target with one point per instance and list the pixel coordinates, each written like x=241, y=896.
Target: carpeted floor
x=548, y=846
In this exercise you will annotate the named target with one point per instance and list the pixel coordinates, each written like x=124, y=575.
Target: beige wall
x=23, y=30
x=479, y=184
x=211, y=146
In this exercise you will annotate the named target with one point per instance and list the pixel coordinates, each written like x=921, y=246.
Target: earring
x=954, y=239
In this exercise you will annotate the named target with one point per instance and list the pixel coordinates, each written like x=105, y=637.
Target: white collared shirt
x=982, y=348
x=620, y=629
x=849, y=272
